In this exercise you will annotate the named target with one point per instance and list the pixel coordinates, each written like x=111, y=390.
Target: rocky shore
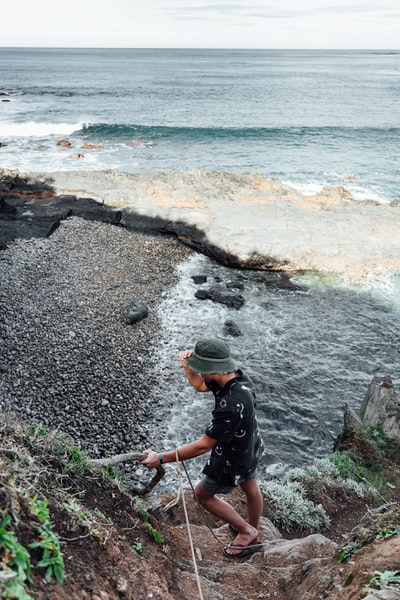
x=69, y=357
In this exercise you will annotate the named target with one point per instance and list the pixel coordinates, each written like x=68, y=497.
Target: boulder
x=231, y=328
x=380, y=406
x=217, y=293
x=64, y=143
x=199, y=279
x=137, y=312
x=293, y=552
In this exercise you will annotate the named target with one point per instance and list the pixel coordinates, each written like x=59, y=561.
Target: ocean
x=306, y=117
x=309, y=118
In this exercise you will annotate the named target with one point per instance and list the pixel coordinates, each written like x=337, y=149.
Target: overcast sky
x=197, y=24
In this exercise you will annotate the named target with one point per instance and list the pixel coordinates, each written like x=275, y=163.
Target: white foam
x=385, y=286
x=34, y=129
x=359, y=193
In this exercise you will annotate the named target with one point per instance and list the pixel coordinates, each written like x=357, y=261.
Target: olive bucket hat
x=211, y=356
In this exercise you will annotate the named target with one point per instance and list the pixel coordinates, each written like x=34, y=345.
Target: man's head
x=211, y=356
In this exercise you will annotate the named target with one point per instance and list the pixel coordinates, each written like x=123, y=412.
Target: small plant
x=157, y=536
x=98, y=512
x=52, y=559
x=388, y=533
x=76, y=461
x=347, y=468
x=348, y=551
x=13, y=589
x=77, y=509
x=290, y=508
x=72, y=457
x=38, y=430
x=14, y=555
x=138, y=547
x=381, y=579
x=339, y=468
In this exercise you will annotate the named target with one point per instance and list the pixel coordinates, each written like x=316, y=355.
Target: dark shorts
x=214, y=487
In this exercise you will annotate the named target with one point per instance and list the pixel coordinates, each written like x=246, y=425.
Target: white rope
x=188, y=525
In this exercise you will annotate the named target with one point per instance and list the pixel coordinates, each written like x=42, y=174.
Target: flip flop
x=253, y=547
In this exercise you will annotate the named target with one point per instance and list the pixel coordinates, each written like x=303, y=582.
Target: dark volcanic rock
x=232, y=329
x=198, y=279
x=28, y=208
x=217, y=293
x=137, y=312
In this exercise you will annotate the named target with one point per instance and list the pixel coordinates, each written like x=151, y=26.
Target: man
x=232, y=436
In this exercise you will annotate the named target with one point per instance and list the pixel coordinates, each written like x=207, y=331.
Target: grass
x=38, y=471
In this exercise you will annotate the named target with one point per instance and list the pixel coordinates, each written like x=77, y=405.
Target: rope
x=188, y=525
x=205, y=514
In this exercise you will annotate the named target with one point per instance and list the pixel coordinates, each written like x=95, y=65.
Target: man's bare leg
x=218, y=507
x=255, y=501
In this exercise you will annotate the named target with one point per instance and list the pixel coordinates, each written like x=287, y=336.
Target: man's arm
x=195, y=379
x=196, y=448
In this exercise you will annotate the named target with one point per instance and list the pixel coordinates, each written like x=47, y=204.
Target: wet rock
x=217, y=293
x=64, y=143
x=235, y=285
x=92, y=147
x=199, y=279
x=283, y=282
x=231, y=329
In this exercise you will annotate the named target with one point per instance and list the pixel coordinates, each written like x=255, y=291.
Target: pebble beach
x=69, y=358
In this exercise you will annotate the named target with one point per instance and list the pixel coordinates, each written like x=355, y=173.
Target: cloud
x=277, y=11
x=204, y=23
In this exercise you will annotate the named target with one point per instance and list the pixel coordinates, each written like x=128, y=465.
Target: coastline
x=255, y=221
x=69, y=358
x=89, y=275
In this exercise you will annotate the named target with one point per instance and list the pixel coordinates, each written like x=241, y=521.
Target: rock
x=380, y=406
x=92, y=147
x=199, y=279
x=351, y=422
x=293, y=552
x=231, y=328
x=283, y=282
x=28, y=208
x=217, y=293
x=235, y=285
x=64, y=143
x=76, y=155
x=137, y=312
x=249, y=222
x=385, y=594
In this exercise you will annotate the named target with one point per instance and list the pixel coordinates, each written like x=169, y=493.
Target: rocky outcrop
x=380, y=407
x=29, y=208
x=241, y=221
x=250, y=221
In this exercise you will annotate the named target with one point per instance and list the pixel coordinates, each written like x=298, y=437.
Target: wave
x=157, y=132
x=153, y=133
x=35, y=129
